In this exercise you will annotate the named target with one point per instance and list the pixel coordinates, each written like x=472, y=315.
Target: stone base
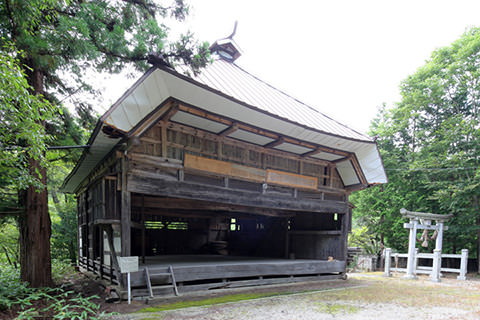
x=410, y=277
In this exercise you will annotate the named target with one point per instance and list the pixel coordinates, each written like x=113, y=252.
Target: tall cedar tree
x=62, y=39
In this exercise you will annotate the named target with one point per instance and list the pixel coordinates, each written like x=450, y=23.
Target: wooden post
x=388, y=261
x=463, y=265
x=113, y=254
x=164, y=140
x=287, y=240
x=411, y=250
x=126, y=220
x=143, y=229
x=437, y=256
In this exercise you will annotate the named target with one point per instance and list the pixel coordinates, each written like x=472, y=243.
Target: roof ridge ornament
x=226, y=48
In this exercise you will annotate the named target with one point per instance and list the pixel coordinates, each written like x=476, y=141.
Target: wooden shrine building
x=221, y=176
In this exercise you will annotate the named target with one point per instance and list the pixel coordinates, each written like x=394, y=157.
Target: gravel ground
x=325, y=304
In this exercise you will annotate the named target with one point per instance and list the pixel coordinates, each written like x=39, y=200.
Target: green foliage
x=64, y=229
x=362, y=238
x=48, y=51
x=430, y=146
x=61, y=269
x=22, y=134
x=10, y=287
x=9, y=243
x=45, y=303
x=67, y=38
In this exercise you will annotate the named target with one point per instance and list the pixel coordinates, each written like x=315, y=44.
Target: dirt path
x=360, y=297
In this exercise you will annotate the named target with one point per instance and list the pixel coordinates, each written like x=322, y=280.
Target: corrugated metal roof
x=226, y=90
x=234, y=81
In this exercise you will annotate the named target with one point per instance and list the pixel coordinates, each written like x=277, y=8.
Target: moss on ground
x=337, y=308
x=212, y=301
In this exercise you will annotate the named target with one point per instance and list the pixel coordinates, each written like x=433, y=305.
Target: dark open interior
x=159, y=231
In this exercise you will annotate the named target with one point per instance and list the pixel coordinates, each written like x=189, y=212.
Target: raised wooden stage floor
x=206, y=272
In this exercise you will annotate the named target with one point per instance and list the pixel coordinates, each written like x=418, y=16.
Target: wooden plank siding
x=232, y=270
x=185, y=190
x=239, y=159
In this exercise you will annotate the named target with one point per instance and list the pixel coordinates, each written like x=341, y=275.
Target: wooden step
x=148, y=278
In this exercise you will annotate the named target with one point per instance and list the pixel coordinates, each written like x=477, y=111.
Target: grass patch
x=212, y=301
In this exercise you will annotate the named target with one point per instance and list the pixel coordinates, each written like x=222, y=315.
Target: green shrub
x=44, y=303
x=11, y=287
x=61, y=269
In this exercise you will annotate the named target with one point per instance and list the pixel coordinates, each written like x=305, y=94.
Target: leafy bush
x=361, y=237
x=61, y=269
x=44, y=303
x=10, y=287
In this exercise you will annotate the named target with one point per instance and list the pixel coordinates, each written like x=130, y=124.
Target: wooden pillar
x=143, y=229
x=287, y=240
x=113, y=254
x=163, y=132
x=126, y=219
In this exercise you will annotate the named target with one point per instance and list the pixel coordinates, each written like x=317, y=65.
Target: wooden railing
x=104, y=271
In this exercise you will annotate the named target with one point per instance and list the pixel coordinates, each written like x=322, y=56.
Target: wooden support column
x=143, y=228
x=126, y=219
x=113, y=254
x=163, y=133
x=287, y=239
x=345, y=221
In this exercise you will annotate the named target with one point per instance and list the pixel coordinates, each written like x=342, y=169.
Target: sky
x=345, y=58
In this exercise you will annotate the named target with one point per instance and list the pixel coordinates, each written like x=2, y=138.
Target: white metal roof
x=226, y=90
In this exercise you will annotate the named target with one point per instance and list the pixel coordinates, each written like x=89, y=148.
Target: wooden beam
x=229, y=130
x=170, y=113
x=311, y=153
x=358, y=170
x=291, y=179
x=113, y=254
x=187, y=205
x=151, y=120
x=211, y=136
x=258, y=131
x=262, y=132
x=275, y=143
x=184, y=190
x=204, y=114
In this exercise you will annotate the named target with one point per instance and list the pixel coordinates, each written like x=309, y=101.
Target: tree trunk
x=35, y=231
x=35, y=226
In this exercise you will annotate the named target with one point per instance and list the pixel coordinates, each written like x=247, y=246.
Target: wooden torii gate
x=423, y=220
